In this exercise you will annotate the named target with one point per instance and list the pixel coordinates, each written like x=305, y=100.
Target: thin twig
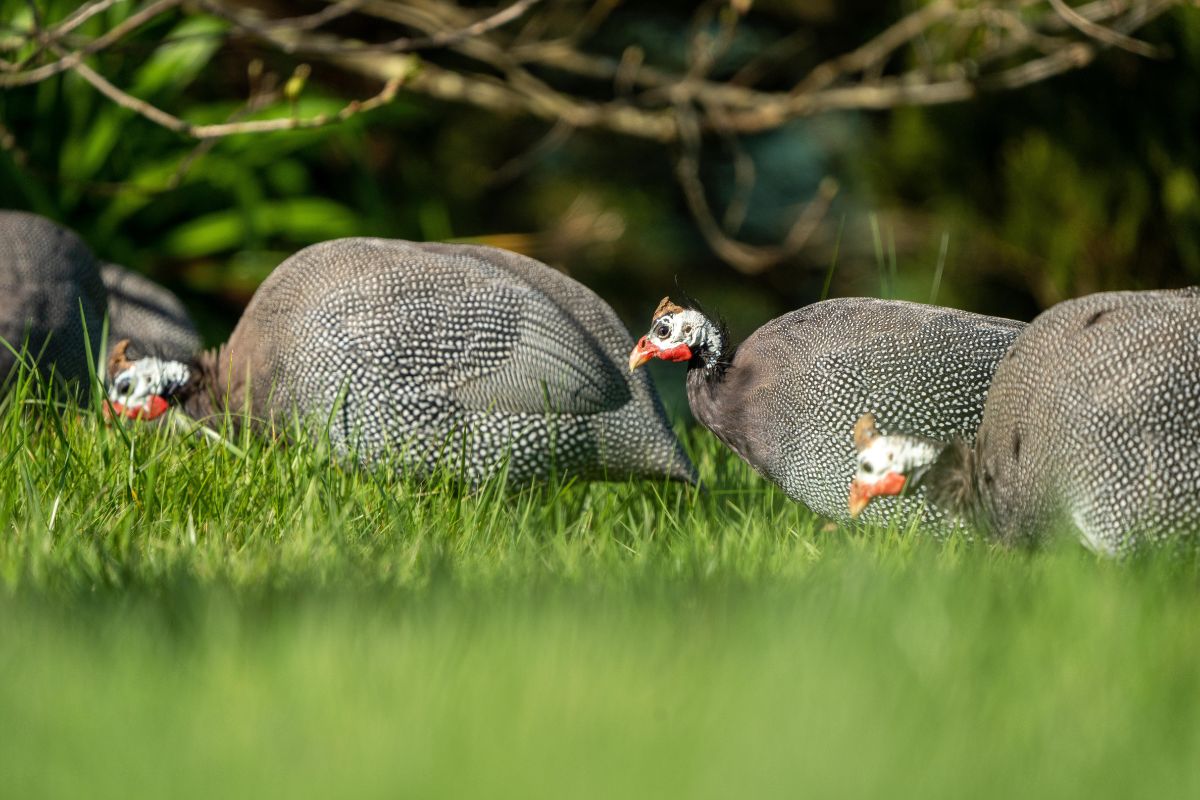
x=878, y=49
x=1103, y=34
x=173, y=123
x=313, y=21
x=400, y=45
x=904, y=91
x=81, y=15
x=68, y=61
x=746, y=258
x=502, y=97
x=745, y=175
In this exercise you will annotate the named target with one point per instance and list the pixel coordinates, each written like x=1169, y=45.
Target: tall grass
x=178, y=618
x=93, y=506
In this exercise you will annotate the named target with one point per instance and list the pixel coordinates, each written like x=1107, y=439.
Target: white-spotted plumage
x=51, y=296
x=1092, y=424
x=1093, y=421
x=148, y=314
x=448, y=356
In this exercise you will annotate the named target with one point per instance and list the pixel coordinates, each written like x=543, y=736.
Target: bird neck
x=951, y=482
x=203, y=395
x=711, y=353
x=172, y=377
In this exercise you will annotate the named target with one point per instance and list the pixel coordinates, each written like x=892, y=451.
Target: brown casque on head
x=665, y=306
x=118, y=362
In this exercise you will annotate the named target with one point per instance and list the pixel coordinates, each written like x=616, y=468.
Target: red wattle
x=155, y=408
x=680, y=352
x=158, y=407
x=892, y=483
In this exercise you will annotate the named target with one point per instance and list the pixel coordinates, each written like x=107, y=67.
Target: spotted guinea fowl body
x=448, y=355
x=1093, y=421
x=789, y=396
x=51, y=295
x=145, y=312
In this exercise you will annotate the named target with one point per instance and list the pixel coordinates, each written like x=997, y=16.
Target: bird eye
x=662, y=331
x=868, y=467
x=122, y=385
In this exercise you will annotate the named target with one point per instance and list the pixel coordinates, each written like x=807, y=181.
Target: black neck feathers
x=716, y=354
x=951, y=482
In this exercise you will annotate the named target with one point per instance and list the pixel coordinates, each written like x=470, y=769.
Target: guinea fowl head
x=142, y=388
x=887, y=465
x=679, y=334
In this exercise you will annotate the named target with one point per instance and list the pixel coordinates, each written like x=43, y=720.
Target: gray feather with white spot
x=50, y=283
x=144, y=312
x=1093, y=420
x=446, y=355
x=51, y=296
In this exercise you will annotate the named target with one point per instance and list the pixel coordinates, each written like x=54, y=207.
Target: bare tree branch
x=173, y=123
x=878, y=49
x=1103, y=34
x=81, y=15
x=505, y=98
x=403, y=44
x=746, y=258
x=533, y=58
x=727, y=106
x=70, y=61
x=767, y=112
x=313, y=21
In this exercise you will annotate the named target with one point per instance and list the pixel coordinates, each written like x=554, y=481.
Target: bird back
x=1094, y=420
x=51, y=296
x=149, y=314
x=405, y=346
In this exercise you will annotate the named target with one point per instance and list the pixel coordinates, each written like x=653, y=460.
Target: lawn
x=182, y=618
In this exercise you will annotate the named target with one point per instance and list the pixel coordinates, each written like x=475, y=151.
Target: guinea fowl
x=1092, y=421
x=143, y=311
x=51, y=296
x=456, y=356
x=786, y=398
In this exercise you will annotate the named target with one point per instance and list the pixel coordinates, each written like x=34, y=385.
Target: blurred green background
x=1081, y=183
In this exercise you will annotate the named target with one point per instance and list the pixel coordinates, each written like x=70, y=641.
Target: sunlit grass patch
x=181, y=618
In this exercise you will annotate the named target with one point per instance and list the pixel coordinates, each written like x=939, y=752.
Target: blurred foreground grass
x=180, y=620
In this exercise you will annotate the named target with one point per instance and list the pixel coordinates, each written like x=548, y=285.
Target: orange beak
x=643, y=351
x=861, y=493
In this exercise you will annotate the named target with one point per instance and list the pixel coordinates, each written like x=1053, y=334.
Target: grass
x=182, y=619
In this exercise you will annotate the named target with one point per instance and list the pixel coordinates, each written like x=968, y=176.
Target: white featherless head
x=676, y=331
x=135, y=386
